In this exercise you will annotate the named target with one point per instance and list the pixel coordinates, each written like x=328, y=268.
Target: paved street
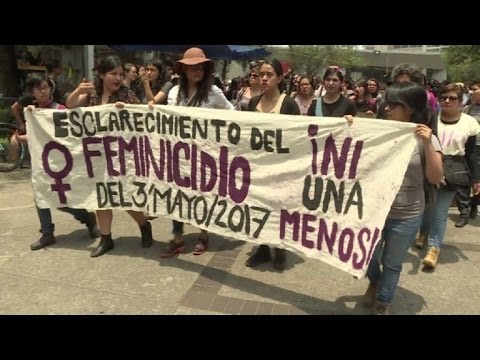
x=63, y=279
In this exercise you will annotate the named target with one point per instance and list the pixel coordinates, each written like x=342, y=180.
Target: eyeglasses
x=198, y=67
x=256, y=63
x=392, y=105
x=43, y=88
x=451, y=98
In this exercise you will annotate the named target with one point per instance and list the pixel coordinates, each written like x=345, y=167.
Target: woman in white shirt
x=195, y=89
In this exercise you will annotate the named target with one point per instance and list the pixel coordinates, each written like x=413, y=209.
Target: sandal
x=201, y=247
x=173, y=248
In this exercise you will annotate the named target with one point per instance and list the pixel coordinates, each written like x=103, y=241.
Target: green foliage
x=462, y=62
x=313, y=59
x=6, y=115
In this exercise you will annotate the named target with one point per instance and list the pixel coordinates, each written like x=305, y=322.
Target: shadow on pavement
x=131, y=245
x=405, y=302
x=292, y=260
x=448, y=255
x=300, y=301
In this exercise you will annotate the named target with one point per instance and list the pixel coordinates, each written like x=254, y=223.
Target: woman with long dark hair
x=40, y=91
x=406, y=102
x=272, y=101
x=108, y=88
x=195, y=89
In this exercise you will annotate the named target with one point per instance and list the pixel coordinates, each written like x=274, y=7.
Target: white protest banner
x=309, y=184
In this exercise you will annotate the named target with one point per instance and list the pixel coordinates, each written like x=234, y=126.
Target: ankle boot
x=147, y=238
x=462, y=221
x=381, y=308
x=92, y=226
x=262, y=255
x=421, y=241
x=106, y=244
x=370, y=296
x=47, y=239
x=280, y=259
x=431, y=258
x=473, y=212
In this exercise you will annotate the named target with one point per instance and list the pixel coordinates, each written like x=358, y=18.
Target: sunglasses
x=336, y=68
x=451, y=98
x=392, y=105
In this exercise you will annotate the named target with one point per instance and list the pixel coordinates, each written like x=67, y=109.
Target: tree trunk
x=226, y=64
x=8, y=71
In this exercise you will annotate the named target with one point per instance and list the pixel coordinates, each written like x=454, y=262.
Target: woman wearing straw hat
x=195, y=89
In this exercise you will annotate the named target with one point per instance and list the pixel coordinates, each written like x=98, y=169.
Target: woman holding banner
x=195, y=89
x=39, y=90
x=272, y=101
x=406, y=102
x=108, y=88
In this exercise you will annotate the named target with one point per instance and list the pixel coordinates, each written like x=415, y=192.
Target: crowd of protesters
x=447, y=117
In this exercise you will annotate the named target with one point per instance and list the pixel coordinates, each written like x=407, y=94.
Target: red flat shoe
x=201, y=247
x=173, y=248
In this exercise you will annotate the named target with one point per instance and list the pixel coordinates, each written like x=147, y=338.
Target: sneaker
x=430, y=260
x=47, y=239
x=92, y=226
x=173, y=248
x=421, y=241
x=381, y=308
x=262, y=255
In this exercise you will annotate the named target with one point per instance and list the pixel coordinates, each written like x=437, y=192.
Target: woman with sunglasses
x=254, y=89
x=406, y=102
x=333, y=103
x=457, y=133
x=39, y=91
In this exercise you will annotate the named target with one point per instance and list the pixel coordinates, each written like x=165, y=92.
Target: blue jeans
x=397, y=236
x=177, y=227
x=427, y=220
x=439, y=215
x=45, y=217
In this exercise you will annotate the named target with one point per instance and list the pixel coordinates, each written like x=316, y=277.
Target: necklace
x=302, y=104
x=330, y=101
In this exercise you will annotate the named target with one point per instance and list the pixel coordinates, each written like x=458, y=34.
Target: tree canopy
x=462, y=62
x=313, y=59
